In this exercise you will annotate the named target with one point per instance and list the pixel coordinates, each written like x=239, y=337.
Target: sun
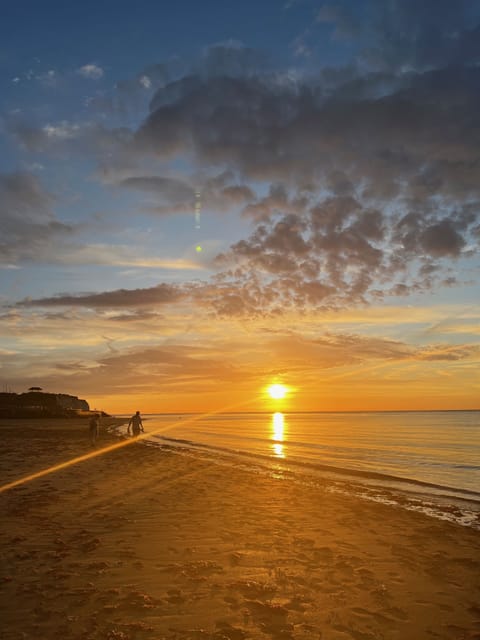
x=277, y=391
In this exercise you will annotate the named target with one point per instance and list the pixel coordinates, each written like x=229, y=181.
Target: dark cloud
x=418, y=142
x=28, y=223
x=161, y=294
x=136, y=316
x=442, y=239
x=237, y=194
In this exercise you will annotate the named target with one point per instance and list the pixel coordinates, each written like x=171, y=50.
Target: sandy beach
x=145, y=544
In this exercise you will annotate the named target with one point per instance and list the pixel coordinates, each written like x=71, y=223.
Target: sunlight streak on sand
x=116, y=445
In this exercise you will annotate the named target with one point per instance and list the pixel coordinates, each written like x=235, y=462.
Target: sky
x=200, y=199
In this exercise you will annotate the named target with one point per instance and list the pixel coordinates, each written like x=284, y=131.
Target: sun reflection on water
x=278, y=429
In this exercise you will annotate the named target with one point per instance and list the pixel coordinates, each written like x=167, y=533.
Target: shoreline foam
x=457, y=505
x=433, y=449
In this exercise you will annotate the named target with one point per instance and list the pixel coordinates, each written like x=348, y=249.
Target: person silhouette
x=136, y=424
x=93, y=429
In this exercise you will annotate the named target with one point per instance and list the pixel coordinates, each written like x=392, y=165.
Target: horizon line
x=192, y=413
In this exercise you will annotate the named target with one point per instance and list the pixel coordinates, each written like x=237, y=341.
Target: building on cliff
x=40, y=404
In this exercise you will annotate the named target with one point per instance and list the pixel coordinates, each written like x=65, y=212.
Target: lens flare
x=117, y=445
x=198, y=208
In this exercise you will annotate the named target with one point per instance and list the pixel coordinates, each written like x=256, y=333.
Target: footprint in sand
x=397, y=613
x=253, y=589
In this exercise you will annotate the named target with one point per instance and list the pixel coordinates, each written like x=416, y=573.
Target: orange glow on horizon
x=404, y=386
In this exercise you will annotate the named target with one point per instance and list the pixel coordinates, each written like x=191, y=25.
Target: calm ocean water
x=427, y=461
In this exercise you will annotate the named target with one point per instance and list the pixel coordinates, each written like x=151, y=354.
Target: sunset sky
x=202, y=198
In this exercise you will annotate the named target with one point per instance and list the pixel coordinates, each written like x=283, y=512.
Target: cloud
x=67, y=137
x=131, y=94
x=380, y=170
x=358, y=183
x=62, y=130
x=24, y=198
x=336, y=349
x=198, y=364
x=31, y=232
x=48, y=78
x=91, y=71
x=176, y=364
x=29, y=225
x=171, y=190
x=448, y=352
x=278, y=200
x=404, y=34
x=116, y=255
x=171, y=195
x=159, y=295
x=388, y=146
x=338, y=253
x=442, y=239
x=145, y=81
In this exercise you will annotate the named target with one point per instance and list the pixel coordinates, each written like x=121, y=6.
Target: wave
x=358, y=473
x=454, y=504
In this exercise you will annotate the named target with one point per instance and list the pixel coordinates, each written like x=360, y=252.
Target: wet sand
x=142, y=544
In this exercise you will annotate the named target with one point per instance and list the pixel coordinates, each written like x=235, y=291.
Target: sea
x=427, y=461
